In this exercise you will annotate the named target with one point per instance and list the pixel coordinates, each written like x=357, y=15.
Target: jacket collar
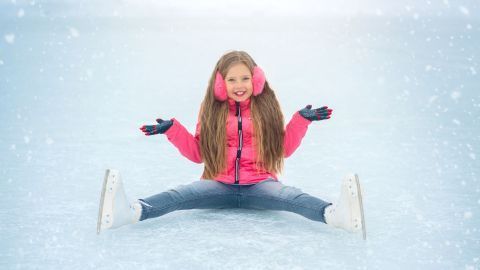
x=244, y=105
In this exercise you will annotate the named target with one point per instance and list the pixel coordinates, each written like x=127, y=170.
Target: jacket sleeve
x=294, y=133
x=188, y=145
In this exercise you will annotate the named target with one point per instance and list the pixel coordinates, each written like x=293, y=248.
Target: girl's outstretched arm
x=186, y=143
x=177, y=134
x=297, y=127
x=294, y=133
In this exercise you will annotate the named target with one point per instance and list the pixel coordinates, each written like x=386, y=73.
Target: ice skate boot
x=347, y=213
x=115, y=209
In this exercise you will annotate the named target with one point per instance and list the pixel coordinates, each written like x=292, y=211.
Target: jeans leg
x=273, y=195
x=202, y=194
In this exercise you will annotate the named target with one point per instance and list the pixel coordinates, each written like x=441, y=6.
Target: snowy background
x=78, y=78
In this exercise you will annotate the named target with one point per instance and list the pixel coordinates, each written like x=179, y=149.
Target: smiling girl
x=242, y=141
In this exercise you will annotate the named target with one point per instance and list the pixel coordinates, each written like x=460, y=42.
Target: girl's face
x=239, y=82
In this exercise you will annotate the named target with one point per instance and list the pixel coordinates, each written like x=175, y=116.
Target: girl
x=241, y=140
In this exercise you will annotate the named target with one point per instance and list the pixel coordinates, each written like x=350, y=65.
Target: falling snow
x=464, y=10
x=20, y=13
x=78, y=79
x=10, y=38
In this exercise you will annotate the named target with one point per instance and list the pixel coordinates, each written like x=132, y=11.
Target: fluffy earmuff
x=219, y=88
x=258, y=81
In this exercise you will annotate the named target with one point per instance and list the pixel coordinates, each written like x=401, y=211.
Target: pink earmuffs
x=258, y=81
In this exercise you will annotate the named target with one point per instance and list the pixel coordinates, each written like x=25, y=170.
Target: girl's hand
x=315, y=114
x=161, y=128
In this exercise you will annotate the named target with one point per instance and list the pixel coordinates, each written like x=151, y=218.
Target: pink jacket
x=189, y=146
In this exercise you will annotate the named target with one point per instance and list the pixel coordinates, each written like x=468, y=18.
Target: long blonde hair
x=268, y=123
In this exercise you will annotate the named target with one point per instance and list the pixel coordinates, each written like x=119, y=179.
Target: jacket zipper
x=240, y=142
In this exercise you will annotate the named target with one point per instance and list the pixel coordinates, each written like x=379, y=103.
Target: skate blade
x=102, y=202
x=360, y=202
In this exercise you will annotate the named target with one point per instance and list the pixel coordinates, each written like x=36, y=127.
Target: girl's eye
x=244, y=79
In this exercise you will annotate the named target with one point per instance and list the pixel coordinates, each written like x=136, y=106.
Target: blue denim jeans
x=209, y=194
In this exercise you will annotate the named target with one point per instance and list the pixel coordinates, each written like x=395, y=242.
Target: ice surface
x=75, y=85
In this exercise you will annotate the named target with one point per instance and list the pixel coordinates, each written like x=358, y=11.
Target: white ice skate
x=115, y=210
x=347, y=213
